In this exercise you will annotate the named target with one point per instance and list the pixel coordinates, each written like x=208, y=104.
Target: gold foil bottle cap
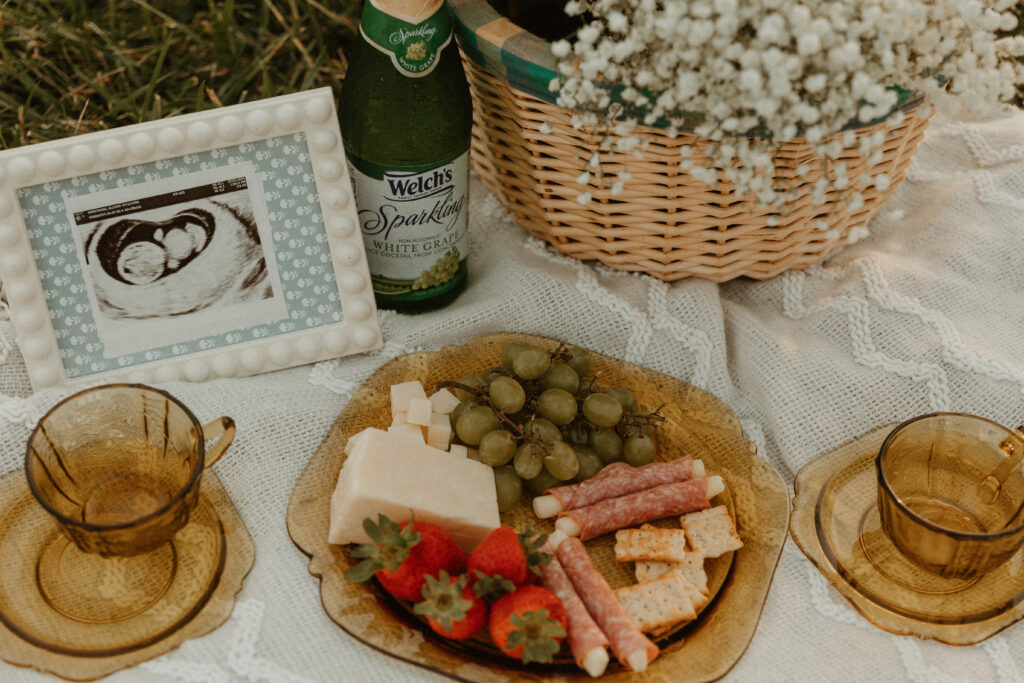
x=412, y=11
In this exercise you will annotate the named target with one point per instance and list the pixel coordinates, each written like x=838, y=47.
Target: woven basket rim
x=525, y=61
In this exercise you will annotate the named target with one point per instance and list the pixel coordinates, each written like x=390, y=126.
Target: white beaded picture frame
x=216, y=244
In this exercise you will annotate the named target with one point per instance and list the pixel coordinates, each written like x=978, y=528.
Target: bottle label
x=412, y=37
x=414, y=223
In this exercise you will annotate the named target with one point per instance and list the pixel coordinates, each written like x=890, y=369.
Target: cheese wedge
x=395, y=476
x=347, y=474
x=353, y=440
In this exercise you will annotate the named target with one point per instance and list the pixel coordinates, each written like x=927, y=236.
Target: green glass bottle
x=406, y=118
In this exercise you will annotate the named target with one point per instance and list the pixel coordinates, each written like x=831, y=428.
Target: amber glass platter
x=82, y=616
x=835, y=522
x=697, y=423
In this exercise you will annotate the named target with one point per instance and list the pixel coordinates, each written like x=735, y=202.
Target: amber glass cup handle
x=990, y=486
x=224, y=427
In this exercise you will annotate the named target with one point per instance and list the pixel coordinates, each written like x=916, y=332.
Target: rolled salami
x=631, y=647
x=618, y=479
x=612, y=514
x=586, y=639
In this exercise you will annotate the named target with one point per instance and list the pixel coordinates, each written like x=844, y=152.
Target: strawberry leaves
x=532, y=542
x=537, y=633
x=450, y=606
x=443, y=601
x=528, y=624
x=391, y=545
x=491, y=586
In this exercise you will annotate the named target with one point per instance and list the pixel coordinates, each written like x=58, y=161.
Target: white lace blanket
x=925, y=314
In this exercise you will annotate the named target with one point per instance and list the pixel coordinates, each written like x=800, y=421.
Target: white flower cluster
x=758, y=73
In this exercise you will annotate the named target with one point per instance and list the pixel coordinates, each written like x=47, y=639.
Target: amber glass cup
x=119, y=466
x=951, y=492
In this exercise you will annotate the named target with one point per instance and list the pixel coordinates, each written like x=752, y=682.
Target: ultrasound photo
x=173, y=254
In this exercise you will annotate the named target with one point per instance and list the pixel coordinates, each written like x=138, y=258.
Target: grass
x=1018, y=11
x=76, y=66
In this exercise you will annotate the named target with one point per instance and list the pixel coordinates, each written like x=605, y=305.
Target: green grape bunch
x=540, y=419
x=442, y=271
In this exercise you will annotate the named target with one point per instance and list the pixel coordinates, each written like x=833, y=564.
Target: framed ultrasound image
x=217, y=244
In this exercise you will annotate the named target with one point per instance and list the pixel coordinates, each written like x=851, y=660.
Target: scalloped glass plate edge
x=239, y=556
x=810, y=483
x=709, y=647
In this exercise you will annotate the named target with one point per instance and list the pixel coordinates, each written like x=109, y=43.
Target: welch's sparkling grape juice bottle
x=406, y=118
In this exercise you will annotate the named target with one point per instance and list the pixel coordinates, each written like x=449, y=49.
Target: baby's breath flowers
x=749, y=75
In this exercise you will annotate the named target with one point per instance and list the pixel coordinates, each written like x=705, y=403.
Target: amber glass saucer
x=697, y=424
x=835, y=522
x=82, y=616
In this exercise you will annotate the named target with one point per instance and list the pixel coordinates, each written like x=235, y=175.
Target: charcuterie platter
x=694, y=425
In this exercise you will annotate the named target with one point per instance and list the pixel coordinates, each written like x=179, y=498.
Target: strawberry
x=451, y=607
x=401, y=556
x=529, y=624
x=506, y=559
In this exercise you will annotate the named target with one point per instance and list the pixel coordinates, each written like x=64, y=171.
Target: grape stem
x=451, y=384
x=640, y=419
x=562, y=353
x=591, y=387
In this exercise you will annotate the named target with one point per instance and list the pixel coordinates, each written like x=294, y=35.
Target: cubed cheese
x=388, y=475
x=419, y=412
x=439, y=432
x=444, y=401
x=407, y=431
x=399, y=417
x=402, y=393
x=458, y=450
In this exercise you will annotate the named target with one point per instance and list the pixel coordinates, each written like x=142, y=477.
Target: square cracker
x=649, y=570
x=697, y=596
x=711, y=532
x=650, y=543
x=658, y=604
x=692, y=567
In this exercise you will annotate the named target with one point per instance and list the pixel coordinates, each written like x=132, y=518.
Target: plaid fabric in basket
x=522, y=59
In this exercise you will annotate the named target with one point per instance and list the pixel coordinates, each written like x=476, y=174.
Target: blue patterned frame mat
x=95, y=336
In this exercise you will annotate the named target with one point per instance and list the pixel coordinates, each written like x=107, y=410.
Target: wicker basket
x=663, y=222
